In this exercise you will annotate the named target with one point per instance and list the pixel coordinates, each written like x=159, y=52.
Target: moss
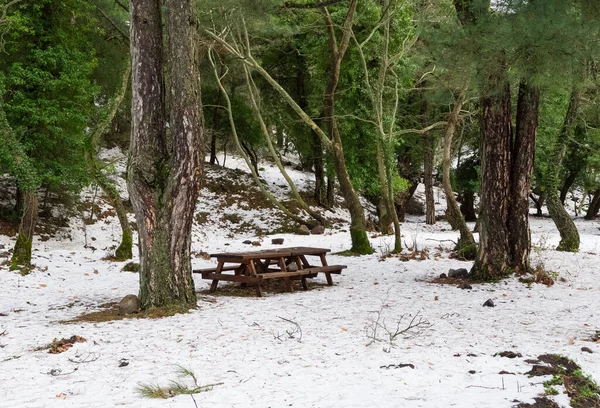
x=131, y=267
x=360, y=241
x=124, y=251
x=466, y=252
x=22, y=252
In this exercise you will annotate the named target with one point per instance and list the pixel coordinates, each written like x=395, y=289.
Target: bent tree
x=165, y=165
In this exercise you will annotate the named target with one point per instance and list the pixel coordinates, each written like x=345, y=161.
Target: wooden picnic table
x=253, y=267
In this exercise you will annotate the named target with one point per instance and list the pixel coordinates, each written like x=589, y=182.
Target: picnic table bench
x=256, y=266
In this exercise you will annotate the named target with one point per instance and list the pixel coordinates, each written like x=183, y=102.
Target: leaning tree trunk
x=164, y=170
x=492, y=261
x=523, y=153
x=358, y=225
x=22, y=250
x=124, y=250
x=455, y=217
x=569, y=236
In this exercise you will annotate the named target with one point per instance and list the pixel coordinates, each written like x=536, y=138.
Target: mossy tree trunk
x=358, y=232
x=453, y=214
x=165, y=168
x=569, y=236
x=523, y=154
x=124, y=250
x=22, y=249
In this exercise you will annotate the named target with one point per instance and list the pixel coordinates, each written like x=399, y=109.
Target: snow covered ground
x=243, y=342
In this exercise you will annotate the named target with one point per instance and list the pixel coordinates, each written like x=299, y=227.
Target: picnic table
x=254, y=267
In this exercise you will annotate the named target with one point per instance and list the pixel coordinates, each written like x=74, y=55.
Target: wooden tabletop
x=269, y=253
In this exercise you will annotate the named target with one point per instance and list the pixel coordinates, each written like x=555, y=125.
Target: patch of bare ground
x=110, y=312
x=540, y=402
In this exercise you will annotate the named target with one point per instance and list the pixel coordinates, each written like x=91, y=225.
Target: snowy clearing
x=246, y=344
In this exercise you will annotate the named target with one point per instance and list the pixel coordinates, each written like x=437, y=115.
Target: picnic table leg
x=215, y=282
x=299, y=265
x=252, y=271
x=286, y=281
x=327, y=274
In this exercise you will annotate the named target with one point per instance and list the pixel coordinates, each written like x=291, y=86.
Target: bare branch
x=5, y=9
x=123, y=34
x=420, y=131
x=123, y=6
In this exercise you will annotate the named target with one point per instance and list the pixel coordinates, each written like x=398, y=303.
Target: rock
x=458, y=273
x=2, y=246
x=465, y=286
x=506, y=372
x=587, y=350
x=489, y=303
x=318, y=230
x=472, y=372
x=255, y=243
x=129, y=304
x=247, y=242
x=509, y=354
x=302, y=230
x=443, y=276
x=277, y=241
x=123, y=362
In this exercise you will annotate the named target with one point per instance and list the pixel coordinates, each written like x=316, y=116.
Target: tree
x=47, y=100
x=165, y=164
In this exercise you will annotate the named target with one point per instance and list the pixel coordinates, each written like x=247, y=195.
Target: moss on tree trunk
x=22, y=249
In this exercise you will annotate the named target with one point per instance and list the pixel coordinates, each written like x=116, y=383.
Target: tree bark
x=453, y=213
x=22, y=249
x=523, y=154
x=569, y=236
x=164, y=169
x=594, y=206
x=493, y=260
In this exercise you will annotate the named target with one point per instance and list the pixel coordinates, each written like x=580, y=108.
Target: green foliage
x=175, y=387
x=48, y=95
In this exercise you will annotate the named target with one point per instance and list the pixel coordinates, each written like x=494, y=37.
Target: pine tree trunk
x=22, y=249
x=320, y=194
x=523, y=153
x=569, y=236
x=594, y=206
x=164, y=172
x=388, y=215
x=453, y=214
x=493, y=260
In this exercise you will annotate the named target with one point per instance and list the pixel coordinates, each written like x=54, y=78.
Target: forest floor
x=326, y=347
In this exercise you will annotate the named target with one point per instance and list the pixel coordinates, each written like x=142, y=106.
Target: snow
x=243, y=342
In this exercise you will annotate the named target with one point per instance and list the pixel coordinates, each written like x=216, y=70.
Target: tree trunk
x=594, y=206
x=428, y=154
x=124, y=250
x=389, y=214
x=569, y=236
x=358, y=233
x=523, y=153
x=320, y=194
x=493, y=261
x=539, y=203
x=467, y=206
x=215, y=124
x=164, y=170
x=453, y=215
x=22, y=250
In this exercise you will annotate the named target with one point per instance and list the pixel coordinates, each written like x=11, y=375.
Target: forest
x=443, y=152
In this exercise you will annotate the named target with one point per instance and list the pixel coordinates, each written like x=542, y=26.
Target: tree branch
x=123, y=6
x=291, y=5
x=123, y=33
x=420, y=131
x=5, y=9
